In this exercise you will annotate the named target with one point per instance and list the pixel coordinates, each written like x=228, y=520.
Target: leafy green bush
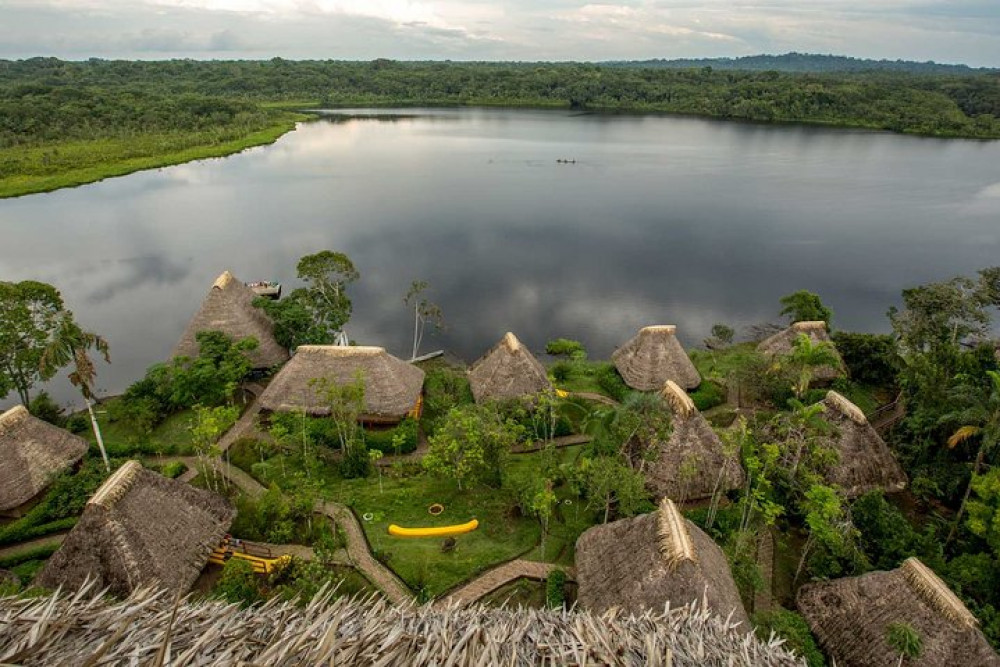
x=561, y=371
x=173, y=470
x=238, y=583
x=444, y=388
x=564, y=347
x=611, y=382
x=276, y=518
x=43, y=407
x=871, y=359
x=555, y=589
x=791, y=627
x=708, y=395
x=401, y=439
x=77, y=423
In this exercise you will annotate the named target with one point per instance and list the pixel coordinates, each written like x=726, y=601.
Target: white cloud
x=947, y=31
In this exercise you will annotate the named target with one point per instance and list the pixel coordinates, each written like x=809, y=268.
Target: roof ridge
x=224, y=280
x=845, y=407
x=936, y=593
x=511, y=342
x=808, y=325
x=675, y=543
x=678, y=400
x=14, y=416
x=116, y=486
x=659, y=328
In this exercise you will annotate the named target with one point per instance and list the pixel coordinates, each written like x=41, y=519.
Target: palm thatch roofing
x=228, y=307
x=653, y=560
x=866, y=463
x=851, y=617
x=652, y=357
x=83, y=628
x=507, y=370
x=392, y=386
x=140, y=529
x=32, y=453
x=692, y=464
x=782, y=344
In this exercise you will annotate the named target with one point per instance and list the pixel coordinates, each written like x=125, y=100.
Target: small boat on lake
x=268, y=288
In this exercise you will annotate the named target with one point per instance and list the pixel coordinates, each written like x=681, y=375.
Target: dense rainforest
x=65, y=123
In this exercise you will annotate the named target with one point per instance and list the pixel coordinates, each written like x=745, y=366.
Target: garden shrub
x=238, y=583
x=708, y=395
x=555, y=589
x=173, y=470
x=77, y=423
x=276, y=518
x=871, y=359
x=791, y=627
x=565, y=347
x=444, y=388
x=401, y=439
x=43, y=407
x=561, y=371
x=611, y=382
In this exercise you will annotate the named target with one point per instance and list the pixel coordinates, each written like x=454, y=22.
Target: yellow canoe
x=438, y=531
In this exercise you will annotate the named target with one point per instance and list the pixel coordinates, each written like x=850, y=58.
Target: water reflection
x=659, y=220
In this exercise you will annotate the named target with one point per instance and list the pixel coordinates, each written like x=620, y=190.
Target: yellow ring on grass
x=435, y=509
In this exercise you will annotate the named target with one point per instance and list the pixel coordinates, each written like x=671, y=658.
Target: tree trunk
x=97, y=434
x=416, y=324
x=965, y=498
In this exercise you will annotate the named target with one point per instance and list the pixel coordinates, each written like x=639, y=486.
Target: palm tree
x=807, y=356
x=71, y=344
x=980, y=418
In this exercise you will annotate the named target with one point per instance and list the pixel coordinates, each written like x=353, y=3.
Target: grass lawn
x=502, y=534
x=718, y=364
x=170, y=438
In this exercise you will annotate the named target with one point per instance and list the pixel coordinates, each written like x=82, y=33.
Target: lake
x=659, y=220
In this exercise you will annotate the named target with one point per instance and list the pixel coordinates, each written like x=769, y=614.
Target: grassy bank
x=64, y=164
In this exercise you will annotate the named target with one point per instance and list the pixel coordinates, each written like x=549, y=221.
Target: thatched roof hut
x=652, y=357
x=228, y=307
x=140, y=529
x=73, y=628
x=781, y=344
x=866, y=463
x=693, y=462
x=851, y=617
x=508, y=370
x=32, y=453
x=651, y=560
x=392, y=386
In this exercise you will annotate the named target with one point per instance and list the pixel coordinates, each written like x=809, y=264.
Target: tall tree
x=71, y=345
x=980, y=418
x=805, y=306
x=424, y=312
x=30, y=316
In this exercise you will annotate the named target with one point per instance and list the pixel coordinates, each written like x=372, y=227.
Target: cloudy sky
x=961, y=31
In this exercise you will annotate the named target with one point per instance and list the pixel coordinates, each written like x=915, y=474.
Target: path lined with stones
x=499, y=576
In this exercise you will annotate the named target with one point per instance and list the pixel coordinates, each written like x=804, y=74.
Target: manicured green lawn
x=169, y=438
x=503, y=534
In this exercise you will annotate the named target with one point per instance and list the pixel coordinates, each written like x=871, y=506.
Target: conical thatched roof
x=654, y=356
x=866, y=463
x=32, y=453
x=392, y=386
x=228, y=307
x=140, y=529
x=508, y=370
x=692, y=463
x=781, y=344
x=851, y=617
x=72, y=628
x=650, y=560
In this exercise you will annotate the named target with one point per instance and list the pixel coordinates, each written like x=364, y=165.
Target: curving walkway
x=591, y=396
x=498, y=576
x=55, y=539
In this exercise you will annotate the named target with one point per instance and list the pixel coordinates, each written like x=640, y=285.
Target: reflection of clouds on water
x=134, y=274
x=661, y=221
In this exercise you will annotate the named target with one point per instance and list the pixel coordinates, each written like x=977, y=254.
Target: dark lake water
x=659, y=220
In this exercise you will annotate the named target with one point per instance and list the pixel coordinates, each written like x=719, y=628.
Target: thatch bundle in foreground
x=70, y=629
x=652, y=357
x=851, y=618
x=781, y=344
x=866, y=463
x=392, y=386
x=140, y=529
x=508, y=370
x=228, y=308
x=32, y=453
x=692, y=464
x=653, y=560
